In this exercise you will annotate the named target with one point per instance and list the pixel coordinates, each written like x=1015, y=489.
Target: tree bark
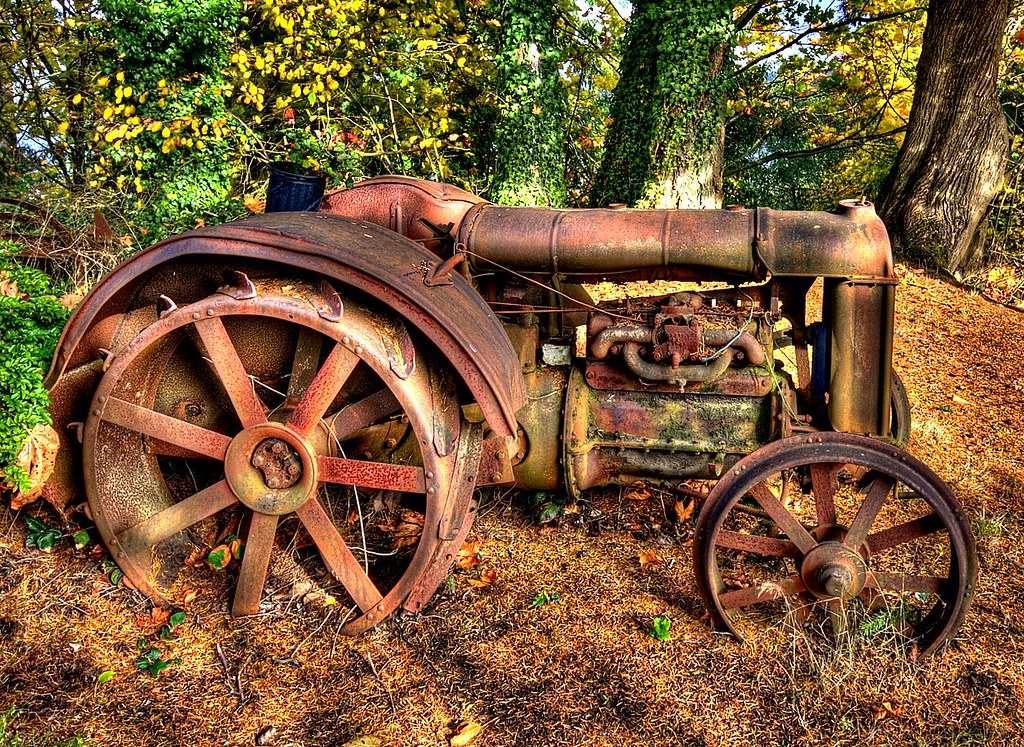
x=935, y=200
x=532, y=110
x=665, y=145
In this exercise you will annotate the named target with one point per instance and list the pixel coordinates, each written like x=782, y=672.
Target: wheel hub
x=270, y=469
x=278, y=462
x=832, y=570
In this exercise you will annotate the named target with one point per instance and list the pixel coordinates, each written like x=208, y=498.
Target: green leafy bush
x=31, y=319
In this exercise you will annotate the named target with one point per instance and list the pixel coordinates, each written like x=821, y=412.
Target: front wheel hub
x=270, y=469
x=833, y=571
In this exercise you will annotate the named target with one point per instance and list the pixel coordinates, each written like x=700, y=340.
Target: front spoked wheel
x=298, y=432
x=835, y=535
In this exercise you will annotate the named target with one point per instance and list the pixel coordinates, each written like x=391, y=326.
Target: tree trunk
x=530, y=131
x=936, y=197
x=665, y=145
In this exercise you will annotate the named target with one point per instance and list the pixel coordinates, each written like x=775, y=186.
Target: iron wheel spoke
x=399, y=477
x=905, y=582
x=231, y=372
x=802, y=610
x=323, y=389
x=823, y=483
x=755, y=543
x=768, y=592
x=880, y=489
x=363, y=413
x=258, y=544
x=788, y=523
x=873, y=600
x=165, y=428
x=181, y=515
x=906, y=532
x=838, y=616
x=307, y=356
x=335, y=553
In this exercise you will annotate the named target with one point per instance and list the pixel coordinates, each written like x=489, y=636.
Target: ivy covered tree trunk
x=936, y=197
x=529, y=133
x=665, y=145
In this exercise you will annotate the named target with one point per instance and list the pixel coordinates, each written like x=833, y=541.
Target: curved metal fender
x=354, y=253
x=415, y=208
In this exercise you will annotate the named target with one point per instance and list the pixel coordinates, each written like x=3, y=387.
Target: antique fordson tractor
x=315, y=384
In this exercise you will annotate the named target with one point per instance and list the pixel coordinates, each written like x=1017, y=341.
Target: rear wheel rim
x=277, y=455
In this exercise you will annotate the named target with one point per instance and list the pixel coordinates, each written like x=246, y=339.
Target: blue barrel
x=290, y=190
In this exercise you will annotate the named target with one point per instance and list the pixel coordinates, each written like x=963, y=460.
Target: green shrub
x=30, y=325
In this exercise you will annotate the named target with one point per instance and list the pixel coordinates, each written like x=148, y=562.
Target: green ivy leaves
x=30, y=324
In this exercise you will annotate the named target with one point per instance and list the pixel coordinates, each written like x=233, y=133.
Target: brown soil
x=580, y=670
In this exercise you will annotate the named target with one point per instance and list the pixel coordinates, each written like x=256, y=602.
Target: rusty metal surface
x=271, y=468
x=852, y=242
x=413, y=208
x=539, y=457
x=835, y=560
x=596, y=243
x=497, y=458
x=457, y=514
x=861, y=316
x=753, y=381
x=592, y=243
x=616, y=437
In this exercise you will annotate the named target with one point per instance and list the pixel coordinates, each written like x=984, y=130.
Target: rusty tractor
x=315, y=384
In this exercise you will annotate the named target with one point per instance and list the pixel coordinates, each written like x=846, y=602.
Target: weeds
x=660, y=628
x=11, y=737
x=544, y=597
x=31, y=319
x=989, y=526
x=152, y=661
x=41, y=535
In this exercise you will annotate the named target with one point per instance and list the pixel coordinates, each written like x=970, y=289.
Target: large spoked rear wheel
x=288, y=418
x=836, y=536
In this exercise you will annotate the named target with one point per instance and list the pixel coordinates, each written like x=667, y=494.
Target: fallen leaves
x=71, y=300
x=157, y=616
x=466, y=733
x=683, y=509
x=469, y=556
x=650, y=557
x=1005, y=284
x=254, y=204
x=638, y=491
x=469, y=560
x=37, y=457
x=408, y=529
x=405, y=529
x=8, y=287
x=885, y=710
x=487, y=578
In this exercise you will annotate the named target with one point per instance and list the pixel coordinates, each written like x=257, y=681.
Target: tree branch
x=825, y=28
x=842, y=144
x=749, y=14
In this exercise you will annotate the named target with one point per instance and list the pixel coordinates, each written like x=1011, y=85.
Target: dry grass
x=582, y=670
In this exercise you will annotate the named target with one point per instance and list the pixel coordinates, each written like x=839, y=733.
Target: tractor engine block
x=672, y=387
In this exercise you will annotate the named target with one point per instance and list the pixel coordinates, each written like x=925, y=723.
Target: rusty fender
x=340, y=252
